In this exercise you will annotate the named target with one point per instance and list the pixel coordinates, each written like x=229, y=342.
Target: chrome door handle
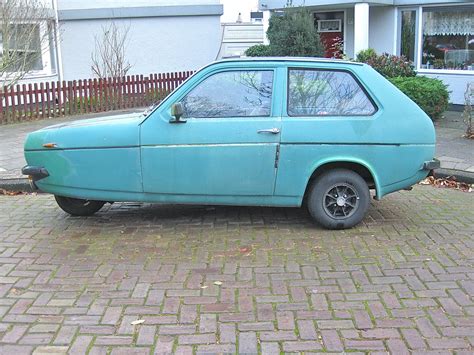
x=270, y=130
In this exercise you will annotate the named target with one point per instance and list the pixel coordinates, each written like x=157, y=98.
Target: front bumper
x=431, y=165
x=34, y=173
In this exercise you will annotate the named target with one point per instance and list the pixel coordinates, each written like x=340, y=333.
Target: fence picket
x=7, y=104
x=2, y=112
x=12, y=105
x=18, y=100
x=49, y=100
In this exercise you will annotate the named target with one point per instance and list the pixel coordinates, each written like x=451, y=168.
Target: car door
x=229, y=143
x=328, y=116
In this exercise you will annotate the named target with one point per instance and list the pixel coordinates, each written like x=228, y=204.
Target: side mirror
x=177, y=110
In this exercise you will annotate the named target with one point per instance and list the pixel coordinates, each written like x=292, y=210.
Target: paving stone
x=248, y=343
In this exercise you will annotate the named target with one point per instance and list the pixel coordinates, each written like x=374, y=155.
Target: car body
x=255, y=132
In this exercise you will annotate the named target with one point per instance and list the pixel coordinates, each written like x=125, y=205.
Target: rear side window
x=239, y=93
x=314, y=92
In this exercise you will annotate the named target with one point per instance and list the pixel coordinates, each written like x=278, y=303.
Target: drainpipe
x=57, y=41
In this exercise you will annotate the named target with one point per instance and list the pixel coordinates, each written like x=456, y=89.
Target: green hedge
x=259, y=50
x=430, y=94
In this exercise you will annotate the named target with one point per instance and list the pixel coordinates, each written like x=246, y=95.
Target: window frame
x=46, y=50
x=227, y=70
x=419, y=38
x=356, y=79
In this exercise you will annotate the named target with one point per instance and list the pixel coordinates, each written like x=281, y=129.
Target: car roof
x=288, y=59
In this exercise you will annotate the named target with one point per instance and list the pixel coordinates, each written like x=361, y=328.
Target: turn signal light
x=50, y=145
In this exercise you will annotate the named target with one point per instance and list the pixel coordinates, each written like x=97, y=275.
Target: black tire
x=333, y=211
x=78, y=207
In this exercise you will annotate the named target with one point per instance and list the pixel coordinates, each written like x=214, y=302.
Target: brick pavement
x=227, y=279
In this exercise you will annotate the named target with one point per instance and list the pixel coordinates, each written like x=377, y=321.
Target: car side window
x=239, y=93
x=314, y=92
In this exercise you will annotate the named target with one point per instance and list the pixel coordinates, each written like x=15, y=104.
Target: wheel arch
x=360, y=167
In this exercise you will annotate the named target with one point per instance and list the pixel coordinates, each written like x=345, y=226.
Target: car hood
x=104, y=132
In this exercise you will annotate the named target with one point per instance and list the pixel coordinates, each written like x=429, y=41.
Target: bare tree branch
x=109, y=58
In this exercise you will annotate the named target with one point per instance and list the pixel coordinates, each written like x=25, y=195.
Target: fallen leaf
x=245, y=250
x=204, y=286
x=218, y=283
x=11, y=193
x=138, y=321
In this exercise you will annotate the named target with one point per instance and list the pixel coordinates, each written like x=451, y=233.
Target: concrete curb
x=460, y=175
x=16, y=184
x=23, y=185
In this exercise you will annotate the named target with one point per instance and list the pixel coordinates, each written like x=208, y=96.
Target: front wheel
x=338, y=199
x=78, y=207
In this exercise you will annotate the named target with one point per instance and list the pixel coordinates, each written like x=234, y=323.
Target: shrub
x=388, y=65
x=259, y=50
x=366, y=54
x=430, y=94
x=293, y=34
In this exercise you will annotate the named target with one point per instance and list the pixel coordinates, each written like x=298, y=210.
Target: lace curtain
x=448, y=23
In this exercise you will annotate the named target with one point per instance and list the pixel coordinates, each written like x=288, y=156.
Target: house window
x=408, y=34
x=27, y=47
x=24, y=48
x=448, y=38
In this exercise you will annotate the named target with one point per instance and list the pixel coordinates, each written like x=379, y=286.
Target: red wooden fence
x=54, y=99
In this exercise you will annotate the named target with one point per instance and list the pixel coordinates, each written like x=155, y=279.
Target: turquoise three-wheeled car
x=260, y=132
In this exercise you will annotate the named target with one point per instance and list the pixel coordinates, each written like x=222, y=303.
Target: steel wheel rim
x=341, y=201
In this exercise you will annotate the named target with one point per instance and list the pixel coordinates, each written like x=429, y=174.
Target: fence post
x=13, y=103
x=64, y=97
x=48, y=100
x=7, y=104
x=19, y=96
x=74, y=97
x=2, y=98
x=96, y=103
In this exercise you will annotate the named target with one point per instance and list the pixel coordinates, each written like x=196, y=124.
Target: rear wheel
x=338, y=199
x=78, y=207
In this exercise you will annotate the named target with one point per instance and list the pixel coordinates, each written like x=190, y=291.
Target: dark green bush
x=292, y=33
x=430, y=94
x=388, y=65
x=259, y=50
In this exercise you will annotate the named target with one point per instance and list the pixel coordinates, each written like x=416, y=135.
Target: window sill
x=35, y=75
x=445, y=71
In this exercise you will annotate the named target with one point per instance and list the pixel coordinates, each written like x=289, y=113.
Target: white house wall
x=456, y=84
x=164, y=35
x=382, y=28
x=232, y=8
x=349, y=33
x=155, y=45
